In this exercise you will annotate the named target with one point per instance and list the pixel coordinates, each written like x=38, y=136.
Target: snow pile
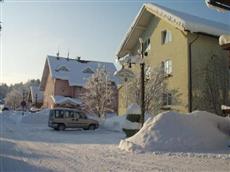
x=224, y=39
x=134, y=109
x=175, y=132
x=36, y=118
x=114, y=123
x=117, y=123
x=131, y=125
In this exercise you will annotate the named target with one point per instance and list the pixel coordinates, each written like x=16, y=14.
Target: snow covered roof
x=36, y=92
x=75, y=71
x=65, y=100
x=219, y=5
x=180, y=20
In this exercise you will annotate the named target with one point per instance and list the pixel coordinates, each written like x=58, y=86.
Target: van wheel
x=61, y=127
x=92, y=127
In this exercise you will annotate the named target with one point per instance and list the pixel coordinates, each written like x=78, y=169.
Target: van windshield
x=51, y=115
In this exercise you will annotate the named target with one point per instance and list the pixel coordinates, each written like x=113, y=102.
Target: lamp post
x=124, y=74
x=142, y=86
x=36, y=100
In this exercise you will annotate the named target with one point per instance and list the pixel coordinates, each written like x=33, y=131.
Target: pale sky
x=32, y=29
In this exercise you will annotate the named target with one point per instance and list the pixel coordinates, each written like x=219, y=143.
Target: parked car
x=62, y=118
x=5, y=109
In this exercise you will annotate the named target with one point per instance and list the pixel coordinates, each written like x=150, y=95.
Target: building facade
x=63, y=81
x=184, y=44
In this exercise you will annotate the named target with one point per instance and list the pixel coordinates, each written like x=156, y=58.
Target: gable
x=61, y=68
x=179, y=20
x=45, y=75
x=88, y=70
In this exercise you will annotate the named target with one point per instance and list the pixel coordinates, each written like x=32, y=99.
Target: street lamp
x=142, y=86
x=125, y=73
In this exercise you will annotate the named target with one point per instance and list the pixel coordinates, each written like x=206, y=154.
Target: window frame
x=168, y=67
x=166, y=36
x=169, y=99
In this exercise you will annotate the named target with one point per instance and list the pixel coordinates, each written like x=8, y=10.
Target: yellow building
x=185, y=44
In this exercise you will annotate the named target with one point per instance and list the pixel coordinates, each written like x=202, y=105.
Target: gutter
x=190, y=72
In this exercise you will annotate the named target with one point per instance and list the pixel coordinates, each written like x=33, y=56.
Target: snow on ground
x=27, y=146
x=200, y=132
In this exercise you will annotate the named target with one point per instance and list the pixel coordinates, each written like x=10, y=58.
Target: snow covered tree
x=13, y=99
x=214, y=91
x=98, y=97
x=155, y=86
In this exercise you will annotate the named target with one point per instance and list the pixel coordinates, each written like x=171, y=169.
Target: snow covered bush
x=99, y=95
x=13, y=99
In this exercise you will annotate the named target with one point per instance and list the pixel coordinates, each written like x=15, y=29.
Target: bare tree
x=155, y=86
x=13, y=99
x=99, y=95
x=215, y=90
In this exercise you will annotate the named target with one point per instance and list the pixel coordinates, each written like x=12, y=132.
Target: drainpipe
x=190, y=73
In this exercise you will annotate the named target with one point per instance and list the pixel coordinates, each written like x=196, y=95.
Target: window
x=167, y=67
x=167, y=99
x=61, y=68
x=166, y=37
x=71, y=114
x=67, y=114
x=147, y=45
x=88, y=70
x=59, y=114
x=76, y=115
x=83, y=116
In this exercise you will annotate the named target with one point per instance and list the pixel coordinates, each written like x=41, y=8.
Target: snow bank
x=117, y=123
x=114, y=123
x=175, y=132
x=134, y=109
x=40, y=117
x=224, y=39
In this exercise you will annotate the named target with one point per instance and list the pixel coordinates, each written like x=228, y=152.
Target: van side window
x=67, y=114
x=76, y=115
x=59, y=114
x=52, y=113
x=71, y=114
x=83, y=116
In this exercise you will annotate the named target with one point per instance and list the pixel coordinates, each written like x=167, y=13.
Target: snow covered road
x=35, y=147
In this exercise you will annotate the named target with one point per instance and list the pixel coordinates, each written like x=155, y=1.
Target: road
x=35, y=147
